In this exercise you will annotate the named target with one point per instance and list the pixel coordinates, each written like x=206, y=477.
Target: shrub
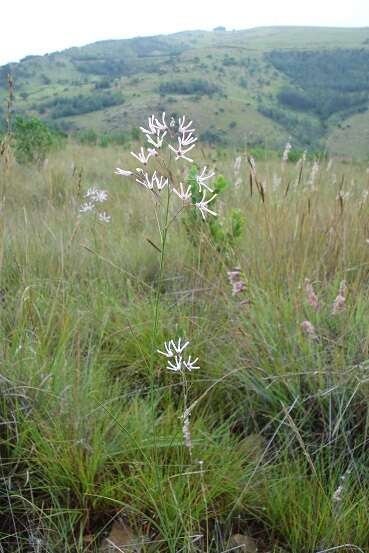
x=83, y=103
x=33, y=139
x=193, y=86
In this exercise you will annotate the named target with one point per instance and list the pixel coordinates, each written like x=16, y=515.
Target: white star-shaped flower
x=202, y=178
x=142, y=157
x=183, y=194
x=202, y=206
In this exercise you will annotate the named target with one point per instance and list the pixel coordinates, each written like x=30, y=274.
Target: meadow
x=264, y=446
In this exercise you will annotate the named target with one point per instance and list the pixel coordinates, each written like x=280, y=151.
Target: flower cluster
x=174, y=353
x=235, y=279
x=178, y=136
x=309, y=329
x=186, y=139
x=339, y=303
x=311, y=296
x=93, y=197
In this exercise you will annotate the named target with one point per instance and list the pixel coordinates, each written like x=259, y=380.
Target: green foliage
x=224, y=231
x=64, y=106
x=87, y=136
x=92, y=138
x=260, y=153
x=103, y=84
x=198, y=87
x=306, y=130
x=214, y=137
x=331, y=81
x=90, y=431
x=303, y=92
x=33, y=140
x=340, y=69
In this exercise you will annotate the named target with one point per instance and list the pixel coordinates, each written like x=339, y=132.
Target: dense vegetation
x=33, y=140
x=269, y=85
x=193, y=86
x=328, y=81
x=64, y=106
x=92, y=423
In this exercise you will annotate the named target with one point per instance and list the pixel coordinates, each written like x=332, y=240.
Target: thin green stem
x=163, y=240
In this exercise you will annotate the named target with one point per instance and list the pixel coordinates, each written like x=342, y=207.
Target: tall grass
x=90, y=418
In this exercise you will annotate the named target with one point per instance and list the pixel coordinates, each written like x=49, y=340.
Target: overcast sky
x=40, y=26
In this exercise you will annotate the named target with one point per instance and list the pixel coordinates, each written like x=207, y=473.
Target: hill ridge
x=249, y=92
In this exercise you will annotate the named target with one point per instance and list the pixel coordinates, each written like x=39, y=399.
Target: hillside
x=258, y=86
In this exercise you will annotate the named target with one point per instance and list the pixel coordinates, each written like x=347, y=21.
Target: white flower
x=104, y=217
x=183, y=194
x=123, y=172
x=153, y=181
x=155, y=126
x=203, y=206
x=96, y=195
x=181, y=152
x=159, y=139
x=182, y=127
x=152, y=128
x=168, y=349
x=161, y=183
x=172, y=348
x=202, y=178
x=146, y=181
x=172, y=122
x=175, y=365
x=161, y=125
x=179, y=347
x=142, y=157
x=191, y=365
x=187, y=140
x=87, y=207
x=174, y=354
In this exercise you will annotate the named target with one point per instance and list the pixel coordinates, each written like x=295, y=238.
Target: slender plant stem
x=163, y=240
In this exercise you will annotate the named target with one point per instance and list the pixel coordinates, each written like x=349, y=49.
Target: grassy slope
x=282, y=417
x=198, y=54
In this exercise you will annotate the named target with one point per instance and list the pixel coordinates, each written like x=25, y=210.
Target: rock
x=121, y=539
x=254, y=446
x=243, y=543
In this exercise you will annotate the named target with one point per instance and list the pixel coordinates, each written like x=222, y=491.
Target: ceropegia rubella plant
x=164, y=171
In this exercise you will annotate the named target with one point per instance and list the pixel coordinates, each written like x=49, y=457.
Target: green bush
x=193, y=86
x=33, y=140
x=77, y=105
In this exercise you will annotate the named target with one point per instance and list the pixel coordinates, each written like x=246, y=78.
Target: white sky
x=40, y=26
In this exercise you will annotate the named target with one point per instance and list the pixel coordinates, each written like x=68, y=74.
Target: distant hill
x=258, y=86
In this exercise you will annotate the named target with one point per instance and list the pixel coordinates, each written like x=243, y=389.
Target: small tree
x=33, y=140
